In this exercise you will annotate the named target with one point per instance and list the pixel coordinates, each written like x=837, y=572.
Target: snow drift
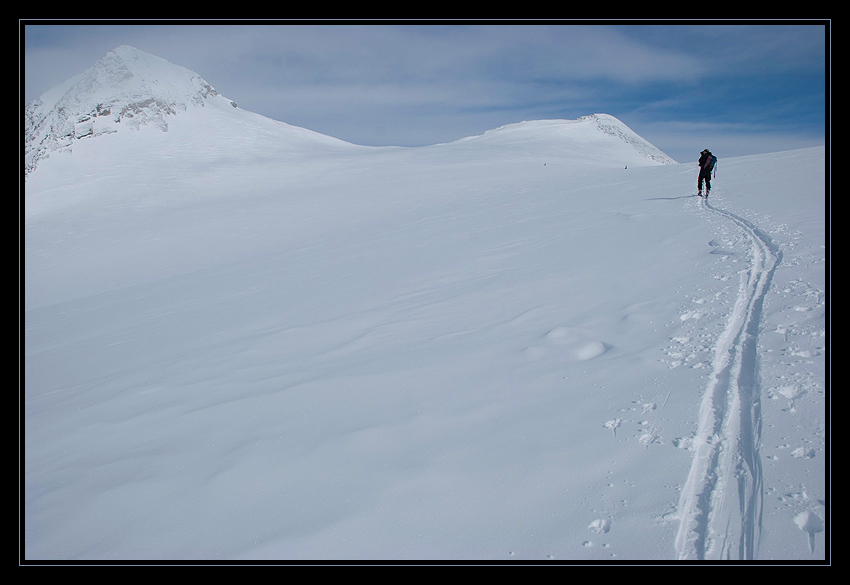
x=245, y=340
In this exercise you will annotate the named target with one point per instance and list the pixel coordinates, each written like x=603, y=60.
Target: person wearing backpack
x=706, y=164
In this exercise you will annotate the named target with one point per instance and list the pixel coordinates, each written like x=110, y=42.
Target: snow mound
x=594, y=140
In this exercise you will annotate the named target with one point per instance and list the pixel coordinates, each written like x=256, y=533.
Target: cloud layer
x=415, y=84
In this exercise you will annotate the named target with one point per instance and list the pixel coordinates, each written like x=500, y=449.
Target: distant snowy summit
x=599, y=136
x=126, y=88
x=613, y=127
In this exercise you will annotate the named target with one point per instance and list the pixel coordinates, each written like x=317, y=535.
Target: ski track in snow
x=720, y=506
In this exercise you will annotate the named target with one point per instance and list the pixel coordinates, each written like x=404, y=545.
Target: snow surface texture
x=245, y=340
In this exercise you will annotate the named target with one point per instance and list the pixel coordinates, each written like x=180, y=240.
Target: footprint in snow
x=600, y=525
x=647, y=437
x=613, y=424
x=688, y=315
x=810, y=523
x=803, y=453
x=686, y=443
x=791, y=392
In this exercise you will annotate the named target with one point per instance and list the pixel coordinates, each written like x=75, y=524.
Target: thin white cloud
x=422, y=84
x=596, y=53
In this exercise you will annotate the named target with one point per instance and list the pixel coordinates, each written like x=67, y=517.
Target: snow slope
x=125, y=90
x=247, y=341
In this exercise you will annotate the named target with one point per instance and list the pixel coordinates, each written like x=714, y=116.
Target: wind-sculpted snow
x=247, y=341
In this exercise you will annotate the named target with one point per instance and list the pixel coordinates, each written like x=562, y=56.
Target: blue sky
x=737, y=89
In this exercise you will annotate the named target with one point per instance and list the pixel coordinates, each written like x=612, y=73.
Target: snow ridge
x=587, y=138
x=612, y=126
x=127, y=88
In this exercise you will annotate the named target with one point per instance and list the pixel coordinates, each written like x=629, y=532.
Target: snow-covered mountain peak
x=127, y=88
x=597, y=139
x=133, y=74
x=612, y=126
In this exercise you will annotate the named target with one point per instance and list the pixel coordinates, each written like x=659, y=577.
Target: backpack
x=711, y=163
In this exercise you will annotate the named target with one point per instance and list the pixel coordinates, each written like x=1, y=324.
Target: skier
x=706, y=163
